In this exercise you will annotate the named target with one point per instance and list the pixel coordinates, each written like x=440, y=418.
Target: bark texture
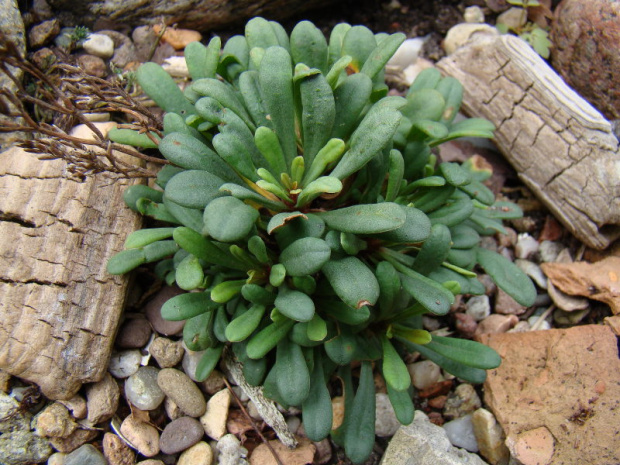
x=564, y=150
x=58, y=307
x=194, y=14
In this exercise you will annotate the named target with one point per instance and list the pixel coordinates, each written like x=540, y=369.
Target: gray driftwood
x=562, y=148
x=59, y=309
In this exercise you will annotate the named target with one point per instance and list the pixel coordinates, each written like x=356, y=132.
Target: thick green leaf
x=155, y=251
x=394, y=369
x=266, y=339
x=144, y=237
x=241, y=327
x=464, y=351
x=158, y=85
x=293, y=377
x=305, y=256
x=359, y=436
x=317, y=328
x=228, y=219
x=267, y=142
x=225, y=94
x=138, y=191
x=352, y=281
x=193, y=188
x=125, y=261
x=351, y=97
x=189, y=274
x=455, y=211
x=508, y=276
x=320, y=186
x=343, y=312
x=381, y=55
x=432, y=296
x=310, y=226
x=317, y=414
x=434, y=251
x=294, y=304
x=185, y=306
x=202, y=61
x=402, y=403
x=464, y=237
x=366, y=219
x=358, y=42
x=454, y=174
x=198, y=245
x=226, y=290
x=198, y=332
x=416, y=228
x=208, y=362
x=260, y=33
x=243, y=193
x=134, y=138
x=341, y=349
x=308, y=46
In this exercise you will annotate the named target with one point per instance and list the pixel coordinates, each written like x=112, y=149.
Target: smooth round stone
x=124, y=364
x=180, y=434
x=478, y=307
x=424, y=374
x=199, y=454
x=190, y=362
x=386, y=423
x=133, y=334
x=142, y=389
x=153, y=312
x=99, y=45
x=85, y=455
x=183, y=391
x=461, y=433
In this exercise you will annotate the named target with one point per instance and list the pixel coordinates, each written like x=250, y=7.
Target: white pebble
x=543, y=325
x=526, y=246
x=473, y=14
x=478, y=307
x=407, y=53
x=230, y=451
x=190, y=362
x=293, y=423
x=533, y=271
x=124, y=364
x=99, y=45
x=461, y=433
x=142, y=390
x=386, y=423
x=460, y=34
x=176, y=66
x=549, y=251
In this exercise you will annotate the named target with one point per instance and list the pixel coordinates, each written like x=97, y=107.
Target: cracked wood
x=562, y=148
x=59, y=308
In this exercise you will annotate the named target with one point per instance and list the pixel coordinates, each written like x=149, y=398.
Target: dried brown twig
x=68, y=93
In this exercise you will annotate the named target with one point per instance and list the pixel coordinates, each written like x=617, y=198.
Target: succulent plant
x=310, y=221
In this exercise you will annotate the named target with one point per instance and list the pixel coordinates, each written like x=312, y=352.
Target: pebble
x=458, y=35
x=533, y=271
x=323, y=452
x=142, y=389
x=190, y=362
x=151, y=462
x=199, y=454
x=167, y=352
x=438, y=402
x=548, y=251
x=43, y=33
x=569, y=318
x=5, y=381
x=253, y=411
x=178, y=38
x=540, y=326
x=214, y=419
x=386, y=423
x=99, y=45
x=176, y=66
x=153, y=308
x=509, y=239
x=57, y=458
x=566, y=302
x=430, y=324
x=496, y=324
x=180, y=434
x=465, y=325
x=85, y=455
x=124, y=364
x=124, y=49
x=55, y=421
x=521, y=327
x=93, y=65
x=490, y=437
x=102, y=399
x=97, y=117
x=182, y=390
x=424, y=374
x=464, y=400
x=142, y=436
x=214, y=383
x=116, y=451
x=230, y=451
x=293, y=422
x=407, y=53
x=134, y=333
x=461, y=433
x=73, y=441
x=478, y=307
x=172, y=410
x=473, y=14
x=489, y=285
x=513, y=17
x=564, y=256
x=526, y=246
x=506, y=305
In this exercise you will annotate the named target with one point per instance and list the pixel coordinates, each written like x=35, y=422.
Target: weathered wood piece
x=59, y=309
x=563, y=149
x=200, y=15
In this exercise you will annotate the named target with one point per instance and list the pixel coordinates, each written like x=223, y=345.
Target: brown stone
x=55, y=421
x=43, y=33
x=564, y=381
x=178, y=38
x=496, y=323
x=301, y=455
x=585, y=37
x=44, y=58
x=116, y=451
x=599, y=281
x=73, y=441
x=102, y=399
x=506, y=305
x=134, y=333
x=440, y=388
x=93, y=65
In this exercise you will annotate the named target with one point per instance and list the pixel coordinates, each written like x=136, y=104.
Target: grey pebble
x=478, y=307
x=180, y=434
x=183, y=391
x=142, y=389
x=125, y=363
x=533, y=271
x=85, y=455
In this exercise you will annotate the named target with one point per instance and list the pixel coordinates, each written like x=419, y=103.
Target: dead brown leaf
x=303, y=454
x=599, y=281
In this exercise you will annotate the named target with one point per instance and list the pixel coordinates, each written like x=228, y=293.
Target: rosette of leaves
x=311, y=222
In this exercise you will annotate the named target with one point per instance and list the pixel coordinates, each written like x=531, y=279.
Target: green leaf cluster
x=310, y=221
